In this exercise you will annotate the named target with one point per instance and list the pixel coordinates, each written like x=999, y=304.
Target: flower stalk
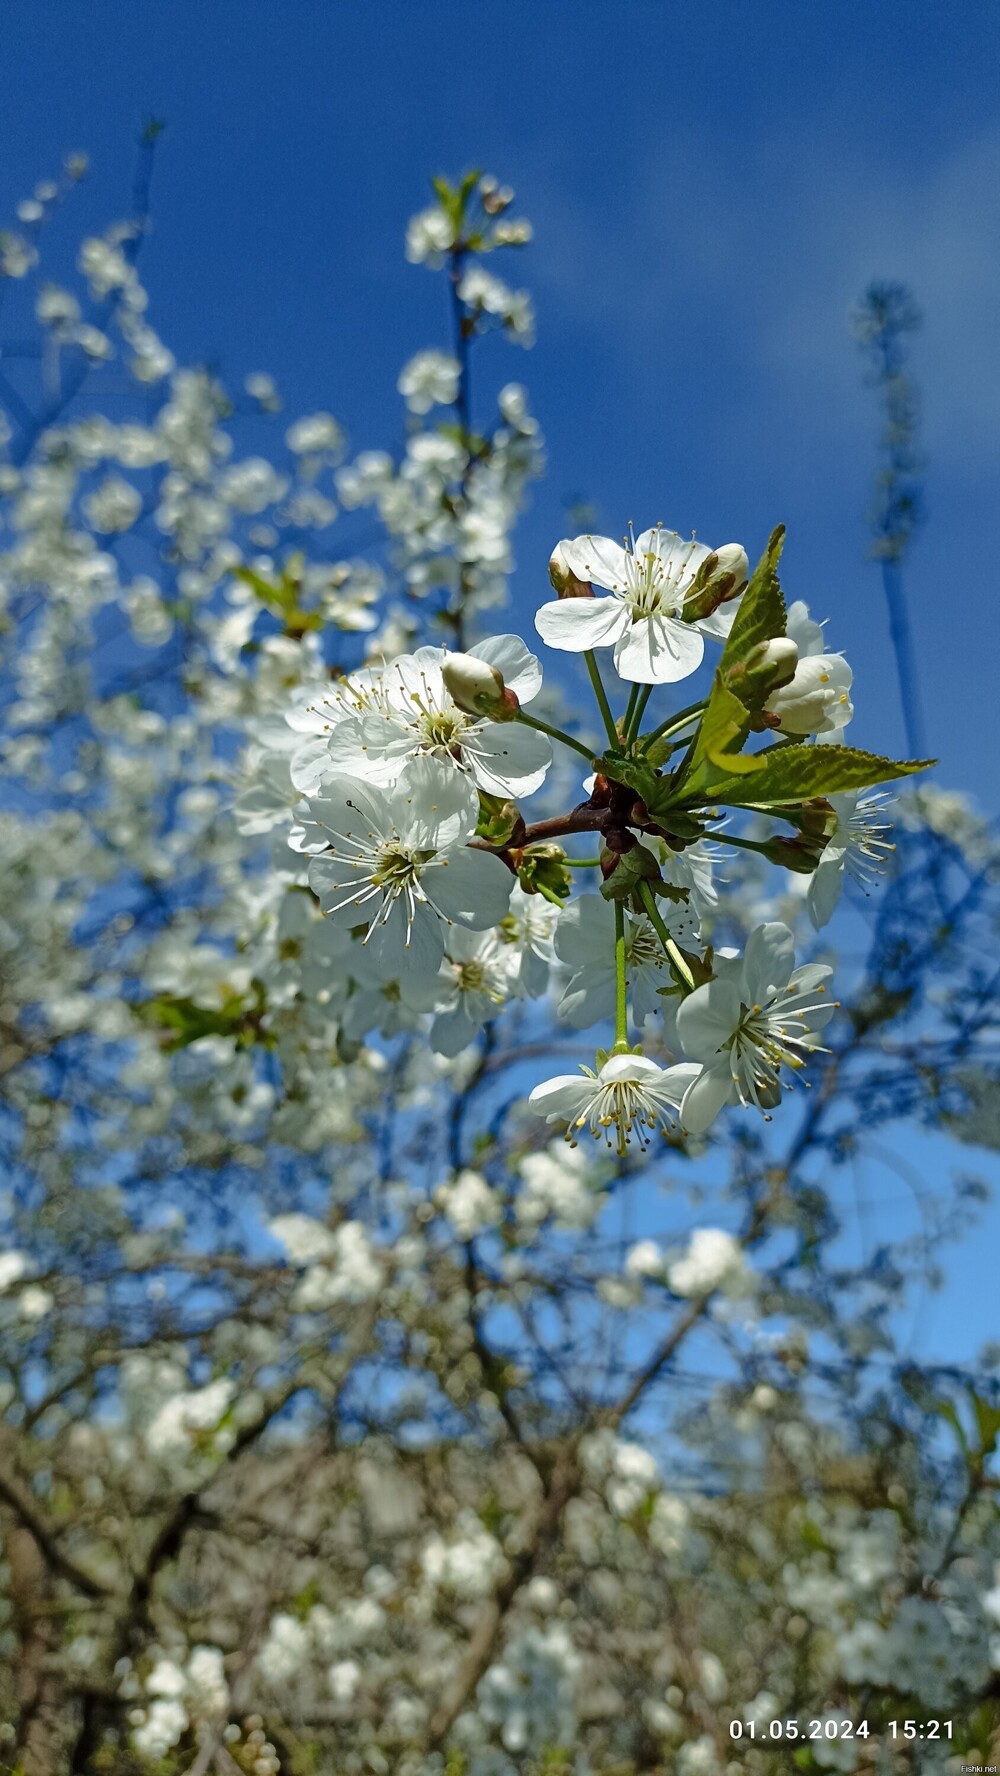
x=602, y=698
x=679, y=968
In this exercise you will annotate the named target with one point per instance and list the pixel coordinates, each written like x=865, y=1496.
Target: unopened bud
x=816, y=700
x=816, y=819
x=766, y=668
x=721, y=576
x=478, y=688
x=801, y=855
x=564, y=579
x=733, y=564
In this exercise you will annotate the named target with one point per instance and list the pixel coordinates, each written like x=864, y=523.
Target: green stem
x=532, y=721
x=674, y=957
x=673, y=722
x=621, y=984
x=634, y=722
x=747, y=844
x=627, y=718
x=602, y=701
x=581, y=862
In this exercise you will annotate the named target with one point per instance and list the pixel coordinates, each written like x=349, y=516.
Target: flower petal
x=507, y=759
x=576, y=624
x=598, y=559
x=521, y=671
x=433, y=807
x=707, y=1018
x=768, y=962
x=659, y=650
x=565, y=1097
x=709, y=1093
x=825, y=889
x=469, y=888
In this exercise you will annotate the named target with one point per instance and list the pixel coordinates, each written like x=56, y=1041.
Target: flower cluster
x=311, y=871
x=412, y=777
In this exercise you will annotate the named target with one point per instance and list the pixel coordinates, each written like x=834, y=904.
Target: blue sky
x=712, y=187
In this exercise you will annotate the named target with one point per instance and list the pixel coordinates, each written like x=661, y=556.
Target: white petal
x=707, y=1018
x=721, y=621
x=676, y=1079
x=825, y=889
x=658, y=650
x=566, y=1097
x=706, y=1096
x=433, y=805
x=311, y=764
x=454, y=1030
x=806, y=634
x=768, y=962
x=576, y=624
x=680, y=556
x=585, y=929
x=508, y=759
x=589, y=996
x=470, y=888
x=369, y=746
x=638, y=1069
x=521, y=671
x=347, y=808
x=398, y=954
x=598, y=559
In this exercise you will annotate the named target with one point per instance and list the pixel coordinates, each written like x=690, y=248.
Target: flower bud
x=721, y=576
x=733, y=564
x=816, y=699
x=801, y=855
x=564, y=579
x=478, y=688
x=816, y=819
x=766, y=668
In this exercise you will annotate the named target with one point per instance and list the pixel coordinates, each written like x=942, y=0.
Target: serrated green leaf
x=760, y=614
x=634, y=773
x=659, y=793
x=721, y=735
x=987, y=1423
x=794, y=773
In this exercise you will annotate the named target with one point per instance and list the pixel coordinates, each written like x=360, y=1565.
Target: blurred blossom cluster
x=351, y=1417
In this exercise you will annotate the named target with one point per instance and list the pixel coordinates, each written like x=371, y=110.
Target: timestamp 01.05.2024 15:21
x=834, y=1727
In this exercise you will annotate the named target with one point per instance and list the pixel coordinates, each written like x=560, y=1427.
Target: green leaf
x=634, y=773
x=920, y=1390
x=720, y=737
x=794, y=773
x=187, y=1022
x=633, y=867
x=987, y=1423
x=659, y=793
x=760, y=614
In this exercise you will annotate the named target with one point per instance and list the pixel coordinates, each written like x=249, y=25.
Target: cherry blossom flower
x=816, y=700
x=374, y=721
x=857, y=847
x=585, y=943
x=755, y=1017
x=471, y=987
x=395, y=859
x=649, y=583
x=430, y=379
x=630, y=1094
